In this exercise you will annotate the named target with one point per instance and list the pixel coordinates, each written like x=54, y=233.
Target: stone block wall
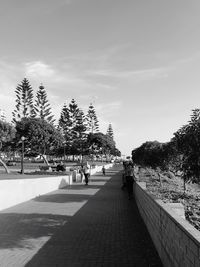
x=177, y=241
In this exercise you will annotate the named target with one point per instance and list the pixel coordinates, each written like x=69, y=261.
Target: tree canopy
x=92, y=121
x=110, y=131
x=181, y=153
x=42, y=106
x=72, y=135
x=41, y=137
x=24, y=101
x=100, y=143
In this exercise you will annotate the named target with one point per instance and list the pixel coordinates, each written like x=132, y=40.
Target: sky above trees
x=137, y=61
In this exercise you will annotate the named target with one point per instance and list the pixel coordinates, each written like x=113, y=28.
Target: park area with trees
x=34, y=130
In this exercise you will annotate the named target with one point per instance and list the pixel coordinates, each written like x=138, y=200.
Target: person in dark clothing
x=104, y=170
x=130, y=178
x=86, y=171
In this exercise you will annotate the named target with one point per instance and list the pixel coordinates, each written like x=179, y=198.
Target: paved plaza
x=94, y=225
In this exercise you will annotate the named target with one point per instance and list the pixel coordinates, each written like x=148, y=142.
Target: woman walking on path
x=104, y=170
x=86, y=171
x=130, y=178
x=81, y=170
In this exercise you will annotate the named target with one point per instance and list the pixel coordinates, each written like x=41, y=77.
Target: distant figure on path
x=103, y=170
x=130, y=178
x=81, y=171
x=86, y=171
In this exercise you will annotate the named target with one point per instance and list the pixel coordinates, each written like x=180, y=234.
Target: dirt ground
x=171, y=189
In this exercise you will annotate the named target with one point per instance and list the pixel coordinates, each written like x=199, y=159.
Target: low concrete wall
x=177, y=241
x=15, y=191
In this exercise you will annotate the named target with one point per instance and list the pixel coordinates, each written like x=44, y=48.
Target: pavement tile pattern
x=94, y=225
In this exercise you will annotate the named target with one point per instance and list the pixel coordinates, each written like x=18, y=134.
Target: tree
x=41, y=137
x=110, y=131
x=153, y=154
x=24, y=103
x=73, y=116
x=187, y=140
x=68, y=123
x=64, y=125
x=42, y=106
x=116, y=152
x=92, y=121
x=7, y=133
x=73, y=126
x=64, y=121
x=181, y=153
x=99, y=143
x=80, y=133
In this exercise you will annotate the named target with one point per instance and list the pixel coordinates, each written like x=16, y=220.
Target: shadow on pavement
x=83, y=187
x=17, y=229
x=62, y=198
x=100, y=180
x=26, y=227
x=106, y=231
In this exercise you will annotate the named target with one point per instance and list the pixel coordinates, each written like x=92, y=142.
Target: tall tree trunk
x=45, y=159
x=4, y=165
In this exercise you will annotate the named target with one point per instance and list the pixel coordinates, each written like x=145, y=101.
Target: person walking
x=86, y=171
x=104, y=170
x=130, y=178
x=81, y=171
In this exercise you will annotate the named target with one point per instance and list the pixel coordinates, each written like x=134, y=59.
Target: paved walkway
x=93, y=225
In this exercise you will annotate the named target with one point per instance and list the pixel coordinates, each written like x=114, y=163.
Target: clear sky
x=137, y=61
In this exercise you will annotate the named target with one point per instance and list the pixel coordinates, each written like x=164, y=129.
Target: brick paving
x=93, y=225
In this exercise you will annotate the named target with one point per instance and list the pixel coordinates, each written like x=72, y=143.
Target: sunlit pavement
x=94, y=225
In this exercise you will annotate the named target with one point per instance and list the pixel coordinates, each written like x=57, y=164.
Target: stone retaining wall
x=177, y=241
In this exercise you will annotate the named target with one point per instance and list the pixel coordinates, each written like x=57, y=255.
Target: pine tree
x=110, y=131
x=42, y=106
x=80, y=127
x=24, y=103
x=80, y=133
x=92, y=121
x=67, y=123
x=73, y=127
x=73, y=113
x=64, y=122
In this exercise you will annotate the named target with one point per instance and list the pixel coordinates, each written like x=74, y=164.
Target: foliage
x=35, y=123
x=24, y=103
x=100, y=143
x=7, y=131
x=41, y=137
x=74, y=113
x=79, y=140
x=187, y=140
x=181, y=153
x=115, y=152
x=73, y=126
x=110, y=131
x=153, y=154
x=64, y=122
x=7, y=134
x=42, y=106
x=92, y=121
